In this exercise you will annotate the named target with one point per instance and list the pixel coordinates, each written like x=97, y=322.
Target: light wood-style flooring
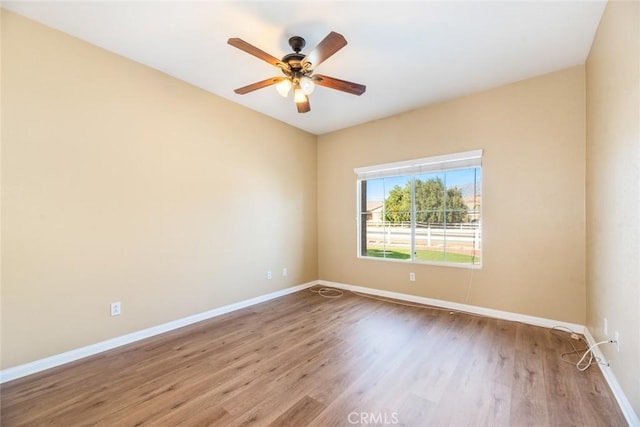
x=305, y=360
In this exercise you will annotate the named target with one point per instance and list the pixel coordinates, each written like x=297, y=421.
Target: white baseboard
x=489, y=312
x=80, y=353
x=621, y=397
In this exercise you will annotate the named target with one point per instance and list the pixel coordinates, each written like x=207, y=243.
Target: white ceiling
x=408, y=54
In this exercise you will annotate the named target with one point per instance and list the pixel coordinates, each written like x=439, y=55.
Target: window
x=425, y=210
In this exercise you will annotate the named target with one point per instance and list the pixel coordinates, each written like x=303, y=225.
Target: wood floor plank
x=502, y=352
x=203, y=416
x=600, y=408
x=446, y=352
x=565, y=406
x=300, y=414
x=528, y=396
x=306, y=360
x=413, y=410
x=480, y=399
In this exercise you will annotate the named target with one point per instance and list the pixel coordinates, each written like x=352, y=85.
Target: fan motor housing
x=297, y=43
x=294, y=60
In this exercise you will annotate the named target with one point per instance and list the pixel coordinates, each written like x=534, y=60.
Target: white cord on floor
x=582, y=364
x=591, y=357
x=326, y=292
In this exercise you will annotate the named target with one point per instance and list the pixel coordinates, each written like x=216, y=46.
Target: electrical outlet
x=116, y=308
x=606, y=327
x=269, y=275
x=284, y=272
x=616, y=340
x=412, y=276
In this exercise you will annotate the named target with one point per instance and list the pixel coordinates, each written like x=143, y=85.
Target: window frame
x=412, y=168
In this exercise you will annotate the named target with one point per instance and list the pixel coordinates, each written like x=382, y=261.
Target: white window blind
x=467, y=159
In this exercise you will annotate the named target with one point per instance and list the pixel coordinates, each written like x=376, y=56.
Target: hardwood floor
x=306, y=360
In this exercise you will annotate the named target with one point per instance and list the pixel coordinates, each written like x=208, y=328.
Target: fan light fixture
x=298, y=69
x=307, y=85
x=304, y=85
x=299, y=96
x=284, y=87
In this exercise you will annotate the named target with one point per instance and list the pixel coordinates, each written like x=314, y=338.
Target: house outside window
x=425, y=210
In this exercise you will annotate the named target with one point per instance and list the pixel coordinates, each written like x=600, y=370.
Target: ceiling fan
x=298, y=69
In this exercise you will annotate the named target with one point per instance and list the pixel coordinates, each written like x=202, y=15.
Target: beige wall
x=613, y=190
x=120, y=183
x=533, y=196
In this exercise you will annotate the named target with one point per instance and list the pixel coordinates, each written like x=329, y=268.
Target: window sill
x=415, y=262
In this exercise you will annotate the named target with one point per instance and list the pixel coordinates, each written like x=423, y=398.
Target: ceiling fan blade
x=259, y=85
x=327, y=47
x=304, y=107
x=343, y=85
x=258, y=53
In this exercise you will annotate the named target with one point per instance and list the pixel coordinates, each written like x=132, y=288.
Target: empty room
x=319, y=213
